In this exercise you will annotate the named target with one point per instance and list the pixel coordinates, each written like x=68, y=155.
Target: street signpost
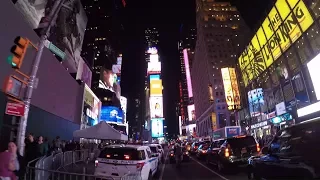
x=15, y=109
x=53, y=48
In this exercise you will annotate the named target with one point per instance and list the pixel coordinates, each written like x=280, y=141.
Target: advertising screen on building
x=231, y=89
x=273, y=37
x=191, y=112
x=256, y=101
x=188, y=76
x=214, y=121
x=315, y=74
x=116, y=69
x=111, y=114
x=154, y=67
x=123, y=102
x=154, y=58
x=152, y=50
x=156, y=107
x=156, y=87
x=157, y=127
x=154, y=77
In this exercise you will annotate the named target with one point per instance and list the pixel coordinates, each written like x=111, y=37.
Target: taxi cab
x=120, y=160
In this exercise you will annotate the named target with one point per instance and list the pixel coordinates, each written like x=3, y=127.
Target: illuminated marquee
x=231, y=88
x=273, y=37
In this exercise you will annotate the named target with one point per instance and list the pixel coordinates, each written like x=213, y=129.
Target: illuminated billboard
x=156, y=87
x=314, y=74
x=123, y=102
x=157, y=127
x=152, y=50
x=272, y=37
x=188, y=76
x=191, y=112
x=256, y=101
x=154, y=67
x=156, y=107
x=116, y=69
x=111, y=114
x=154, y=77
x=214, y=121
x=231, y=89
x=154, y=58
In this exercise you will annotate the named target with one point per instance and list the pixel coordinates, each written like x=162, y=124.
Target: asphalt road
x=195, y=169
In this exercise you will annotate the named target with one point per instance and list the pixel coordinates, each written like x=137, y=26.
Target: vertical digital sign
x=188, y=76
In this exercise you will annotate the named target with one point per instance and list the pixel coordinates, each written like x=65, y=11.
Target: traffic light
x=18, y=52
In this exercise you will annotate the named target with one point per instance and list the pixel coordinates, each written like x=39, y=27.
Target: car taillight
x=108, y=156
x=204, y=151
x=96, y=163
x=258, y=148
x=140, y=165
x=226, y=152
x=171, y=154
x=196, y=147
x=127, y=157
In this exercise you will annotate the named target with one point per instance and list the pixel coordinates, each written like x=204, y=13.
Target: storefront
x=261, y=129
x=91, y=108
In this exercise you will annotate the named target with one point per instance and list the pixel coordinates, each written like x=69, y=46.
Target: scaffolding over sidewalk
x=53, y=168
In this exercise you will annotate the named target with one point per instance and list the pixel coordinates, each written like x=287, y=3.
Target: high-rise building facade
x=221, y=34
x=103, y=39
x=187, y=42
x=279, y=68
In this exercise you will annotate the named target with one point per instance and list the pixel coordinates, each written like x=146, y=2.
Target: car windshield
x=153, y=149
x=121, y=153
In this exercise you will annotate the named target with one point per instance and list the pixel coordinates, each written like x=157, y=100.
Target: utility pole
x=27, y=100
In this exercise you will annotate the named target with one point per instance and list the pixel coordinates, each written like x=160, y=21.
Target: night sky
x=167, y=16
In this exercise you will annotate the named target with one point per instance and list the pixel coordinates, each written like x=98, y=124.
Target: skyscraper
x=187, y=41
x=103, y=39
x=221, y=35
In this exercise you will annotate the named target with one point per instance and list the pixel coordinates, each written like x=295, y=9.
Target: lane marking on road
x=214, y=172
x=164, y=165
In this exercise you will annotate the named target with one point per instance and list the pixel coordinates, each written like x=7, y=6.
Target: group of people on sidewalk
x=13, y=165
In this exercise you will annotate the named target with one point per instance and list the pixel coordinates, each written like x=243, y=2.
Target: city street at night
x=195, y=169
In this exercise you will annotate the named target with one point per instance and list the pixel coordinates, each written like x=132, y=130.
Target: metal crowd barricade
x=67, y=158
x=57, y=175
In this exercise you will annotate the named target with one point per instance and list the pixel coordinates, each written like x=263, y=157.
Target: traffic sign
x=15, y=109
x=55, y=49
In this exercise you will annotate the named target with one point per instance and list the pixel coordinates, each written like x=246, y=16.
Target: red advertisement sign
x=15, y=109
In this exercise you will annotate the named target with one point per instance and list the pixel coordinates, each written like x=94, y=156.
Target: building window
x=314, y=38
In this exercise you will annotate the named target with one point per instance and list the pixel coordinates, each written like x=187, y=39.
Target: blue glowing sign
x=111, y=114
x=154, y=77
x=157, y=127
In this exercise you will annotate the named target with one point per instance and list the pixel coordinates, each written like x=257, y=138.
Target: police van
x=117, y=161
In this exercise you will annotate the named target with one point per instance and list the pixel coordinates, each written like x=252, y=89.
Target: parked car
x=292, y=154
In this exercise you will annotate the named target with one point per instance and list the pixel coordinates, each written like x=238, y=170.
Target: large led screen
x=156, y=107
x=111, y=114
x=154, y=67
x=256, y=101
x=272, y=38
x=123, y=102
x=154, y=58
x=157, y=127
x=313, y=67
x=191, y=112
x=188, y=76
x=156, y=87
x=231, y=89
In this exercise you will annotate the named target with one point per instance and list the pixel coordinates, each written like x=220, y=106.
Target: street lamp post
x=27, y=100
